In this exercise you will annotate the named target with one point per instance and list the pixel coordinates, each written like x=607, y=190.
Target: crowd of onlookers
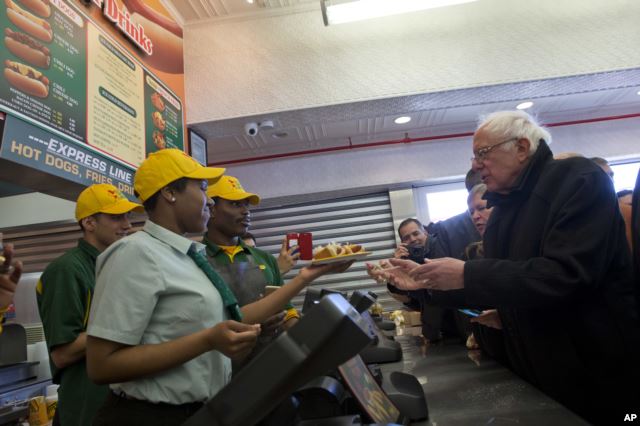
x=549, y=276
x=542, y=261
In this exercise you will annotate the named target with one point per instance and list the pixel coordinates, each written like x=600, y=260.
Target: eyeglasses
x=482, y=153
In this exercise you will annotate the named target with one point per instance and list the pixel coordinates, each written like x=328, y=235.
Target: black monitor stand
x=325, y=337
x=383, y=349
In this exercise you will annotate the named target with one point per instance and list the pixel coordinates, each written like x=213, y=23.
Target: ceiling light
x=524, y=105
x=638, y=92
x=402, y=120
x=279, y=135
x=250, y=1
x=341, y=11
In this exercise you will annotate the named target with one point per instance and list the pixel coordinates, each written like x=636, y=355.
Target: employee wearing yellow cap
x=159, y=329
x=64, y=293
x=247, y=270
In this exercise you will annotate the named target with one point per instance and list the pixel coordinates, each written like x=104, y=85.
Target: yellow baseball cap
x=103, y=198
x=163, y=167
x=229, y=188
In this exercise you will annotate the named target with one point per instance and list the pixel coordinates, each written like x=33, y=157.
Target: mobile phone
x=416, y=253
x=471, y=312
x=292, y=239
x=270, y=289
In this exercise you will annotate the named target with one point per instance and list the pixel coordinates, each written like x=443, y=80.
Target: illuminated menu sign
x=104, y=76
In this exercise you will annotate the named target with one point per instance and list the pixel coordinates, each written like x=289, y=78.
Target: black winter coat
x=557, y=267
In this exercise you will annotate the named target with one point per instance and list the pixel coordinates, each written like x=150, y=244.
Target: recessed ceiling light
x=279, y=135
x=250, y=1
x=525, y=105
x=638, y=92
x=402, y=120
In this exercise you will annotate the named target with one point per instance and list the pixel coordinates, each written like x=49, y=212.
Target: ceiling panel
x=190, y=11
x=433, y=115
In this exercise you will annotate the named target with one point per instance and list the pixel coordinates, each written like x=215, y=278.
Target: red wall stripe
x=407, y=140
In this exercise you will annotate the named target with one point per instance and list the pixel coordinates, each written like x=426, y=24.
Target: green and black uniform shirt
x=265, y=261
x=64, y=294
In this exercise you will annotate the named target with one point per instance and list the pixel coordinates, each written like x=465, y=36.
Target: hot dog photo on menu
x=27, y=79
x=27, y=42
x=44, y=63
x=27, y=48
x=25, y=18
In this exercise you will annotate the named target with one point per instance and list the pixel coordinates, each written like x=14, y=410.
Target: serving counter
x=464, y=387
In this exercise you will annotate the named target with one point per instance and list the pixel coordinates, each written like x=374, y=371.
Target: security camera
x=251, y=129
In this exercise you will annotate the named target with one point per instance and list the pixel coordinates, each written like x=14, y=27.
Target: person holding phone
x=288, y=256
x=557, y=267
x=486, y=324
x=248, y=270
x=416, y=245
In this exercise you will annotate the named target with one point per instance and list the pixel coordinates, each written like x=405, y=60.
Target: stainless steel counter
x=464, y=388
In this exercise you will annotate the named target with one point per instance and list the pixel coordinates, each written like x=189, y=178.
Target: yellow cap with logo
x=164, y=166
x=229, y=188
x=103, y=198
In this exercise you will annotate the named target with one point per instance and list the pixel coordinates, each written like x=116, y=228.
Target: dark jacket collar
x=526, y=180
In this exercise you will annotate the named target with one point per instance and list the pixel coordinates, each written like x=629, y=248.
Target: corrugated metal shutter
x=365, y=220
x=37, y=245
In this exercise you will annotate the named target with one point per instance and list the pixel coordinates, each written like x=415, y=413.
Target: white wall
x=237, y=68
x=417, y=163
x=28, y=209
x=395, y=167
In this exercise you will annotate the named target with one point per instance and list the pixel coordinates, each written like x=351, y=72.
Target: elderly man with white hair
x=556, y=266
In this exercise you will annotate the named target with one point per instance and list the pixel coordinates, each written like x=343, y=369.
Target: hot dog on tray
x=28, y=22
x=26, y=79
x=26, y=48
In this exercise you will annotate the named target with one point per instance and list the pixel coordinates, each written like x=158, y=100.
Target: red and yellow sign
x=105, y=74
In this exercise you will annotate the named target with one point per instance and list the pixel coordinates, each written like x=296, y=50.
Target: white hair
x=514, y=124
x=479, y=189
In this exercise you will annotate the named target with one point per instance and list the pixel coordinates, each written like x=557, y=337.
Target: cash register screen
x=368, y=393
x=329, y=334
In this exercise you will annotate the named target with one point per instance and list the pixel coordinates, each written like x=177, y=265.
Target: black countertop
x=466, y=388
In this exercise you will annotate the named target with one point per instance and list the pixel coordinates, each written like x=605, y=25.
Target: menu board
x=95, y=73
x=34, y=147
x=54, y=63
x=163, y=117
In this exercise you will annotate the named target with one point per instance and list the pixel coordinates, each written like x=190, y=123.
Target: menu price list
x=58, y=99
x=163, y=117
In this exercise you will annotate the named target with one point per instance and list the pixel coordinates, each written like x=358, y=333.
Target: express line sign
x=31, y=146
